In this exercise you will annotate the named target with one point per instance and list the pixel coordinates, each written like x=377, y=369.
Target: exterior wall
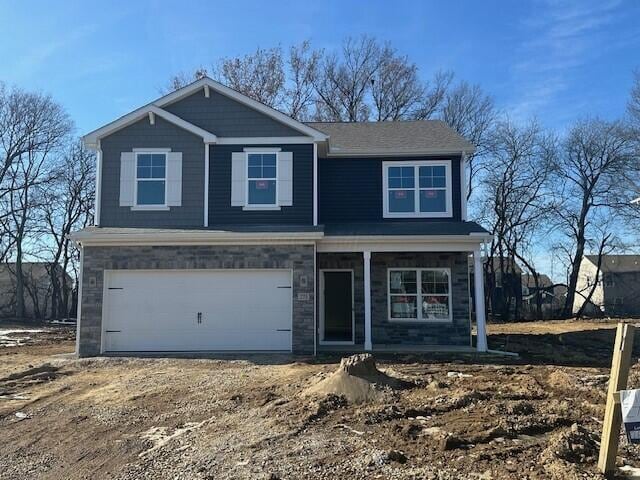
x=586, y=277
x=220, y=209
x=623, y=296
x=347, y=261
x=385, y=332
x=389, y=333
x=300, y=258
x=341, y=180
x=161, y=135
x=227, y=118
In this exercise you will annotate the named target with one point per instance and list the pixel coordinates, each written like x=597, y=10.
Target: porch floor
x=399, y=348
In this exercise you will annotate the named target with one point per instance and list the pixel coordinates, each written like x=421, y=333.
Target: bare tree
x=299, y=91
x=69, y=207
x=343, y=82
x=596, y=155
x=259, y=75
x=32, y=126
x=183, y=79
x=396, y=90
x=517, y=198
x=470, y=112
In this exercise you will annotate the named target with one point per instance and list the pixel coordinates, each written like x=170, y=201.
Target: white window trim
x=416, y=213
x=140, y=151
x=269, y=206
x=419, y=295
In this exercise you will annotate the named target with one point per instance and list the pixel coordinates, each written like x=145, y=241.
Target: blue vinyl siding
x=220, y=210
x=350, y=189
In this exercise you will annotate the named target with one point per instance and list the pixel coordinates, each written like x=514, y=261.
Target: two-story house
x=223, y=224
x=616, y=285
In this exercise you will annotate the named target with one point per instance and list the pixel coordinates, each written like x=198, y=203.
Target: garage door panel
x=158, y=310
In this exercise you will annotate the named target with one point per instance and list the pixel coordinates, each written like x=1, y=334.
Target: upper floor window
x=262, y=179
x=417, y=189
x=151, y=179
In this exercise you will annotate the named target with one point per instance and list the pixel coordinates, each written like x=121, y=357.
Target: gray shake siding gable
x=299, y=258
x=161, y=135
x=225, y=117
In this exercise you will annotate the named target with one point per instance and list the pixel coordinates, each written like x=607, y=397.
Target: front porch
x=399, y=297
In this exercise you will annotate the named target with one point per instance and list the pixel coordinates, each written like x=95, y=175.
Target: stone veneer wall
x=393, y=333
x=385, y=332
x=299, y=258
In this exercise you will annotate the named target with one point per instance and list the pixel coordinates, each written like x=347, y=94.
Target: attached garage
x=197, y=310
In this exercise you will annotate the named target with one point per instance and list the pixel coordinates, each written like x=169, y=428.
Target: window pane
x=407, y=177
x=255, y=172
x=255, y=160
x=435, y=281
x=269, y=172
x=151, y=192
x=439, y=171
x=401, y=201
x=402, y=281
x=262, y=192
x=144, y=172
x=433, y=201
x=144, y=160
x=157, y=171
x=403, y=306
x=401, y=177
x=435, y=307
x=269, y=159
x=158, y=160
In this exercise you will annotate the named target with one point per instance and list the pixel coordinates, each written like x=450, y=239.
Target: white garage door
x=187, y=310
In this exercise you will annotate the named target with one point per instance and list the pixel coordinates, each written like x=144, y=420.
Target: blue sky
x=554, y=60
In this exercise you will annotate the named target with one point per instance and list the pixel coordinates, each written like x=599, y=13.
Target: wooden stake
x=620, y=365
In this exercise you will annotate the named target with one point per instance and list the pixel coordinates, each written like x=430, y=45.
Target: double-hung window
x=262, y=179
x=417, y=189
x=419, y=294
x=151, y=179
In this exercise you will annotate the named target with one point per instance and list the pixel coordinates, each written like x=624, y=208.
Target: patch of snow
x=21, y=415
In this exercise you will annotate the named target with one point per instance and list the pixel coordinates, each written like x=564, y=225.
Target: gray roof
x=402, y=228
x=403, y=137
x=617, y=263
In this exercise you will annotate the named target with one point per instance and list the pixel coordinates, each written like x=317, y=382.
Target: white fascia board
x=262, y=140
x=396, y=154
x=401, y=243
x=205, y=237
x=240, y=98
x=91, y=139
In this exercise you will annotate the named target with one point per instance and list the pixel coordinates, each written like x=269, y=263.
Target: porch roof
x=402, y=228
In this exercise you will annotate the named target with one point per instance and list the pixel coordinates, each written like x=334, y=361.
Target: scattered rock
x=575, y=445
x=458, y=375
x=21, y=415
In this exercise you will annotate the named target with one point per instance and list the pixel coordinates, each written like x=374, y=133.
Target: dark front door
x=338, y=307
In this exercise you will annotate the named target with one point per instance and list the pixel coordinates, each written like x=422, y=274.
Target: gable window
x=417, y=189
x=420, y=294
x=151, y=179
x=262, y=179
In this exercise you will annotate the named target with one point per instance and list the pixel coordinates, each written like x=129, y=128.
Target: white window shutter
x=285, y=179
x=174, y=179
x=127, y=178
x=238, y=178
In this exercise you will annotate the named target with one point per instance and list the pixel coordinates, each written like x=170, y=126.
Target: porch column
x=478, y=281
x=366, y=255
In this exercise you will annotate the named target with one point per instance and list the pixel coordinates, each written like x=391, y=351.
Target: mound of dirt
x=358, y=380
x=575, y=445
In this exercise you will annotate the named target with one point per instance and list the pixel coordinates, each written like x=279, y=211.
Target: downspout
x=463, y=185
x=206, y=185
x=315, y=184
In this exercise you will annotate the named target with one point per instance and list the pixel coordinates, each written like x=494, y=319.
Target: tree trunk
x=19, y=283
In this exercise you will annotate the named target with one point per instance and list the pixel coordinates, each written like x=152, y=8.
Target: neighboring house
x=503, y=281
x=223, y=224
x=37, y=288
x=617, y=285
x=552, y=296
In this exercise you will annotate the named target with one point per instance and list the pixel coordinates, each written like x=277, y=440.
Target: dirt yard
x=464, y=417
